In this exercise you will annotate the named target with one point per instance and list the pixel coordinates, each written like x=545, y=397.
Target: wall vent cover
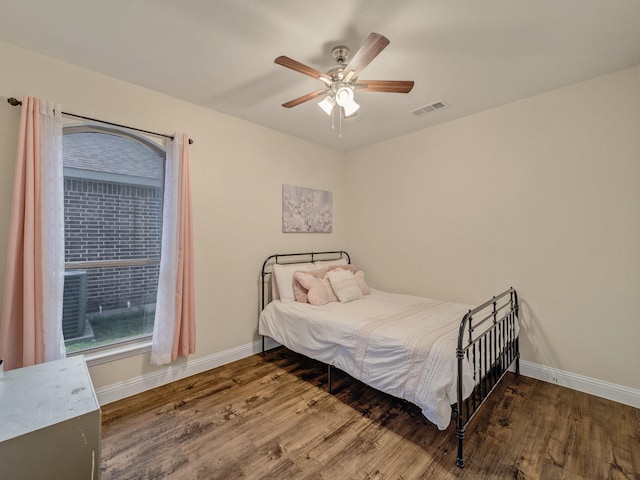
x=432, y=107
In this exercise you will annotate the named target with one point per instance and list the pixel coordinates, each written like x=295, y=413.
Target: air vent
x=432, y=107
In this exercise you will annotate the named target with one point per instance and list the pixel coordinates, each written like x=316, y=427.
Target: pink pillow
x=319, y=290
x=329, y=263
x=362, y=283
x=351, y=267
x=299, y=291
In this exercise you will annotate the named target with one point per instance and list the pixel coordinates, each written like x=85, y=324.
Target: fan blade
x=369, y=50
x=302, y=68
x=303, y=98
x=391, y=86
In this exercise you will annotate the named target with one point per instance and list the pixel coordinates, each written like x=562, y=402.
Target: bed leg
x=329, y=377
x=460, y=436
x=262, y=346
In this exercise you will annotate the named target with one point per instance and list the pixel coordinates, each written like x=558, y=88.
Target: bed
x=444, y=357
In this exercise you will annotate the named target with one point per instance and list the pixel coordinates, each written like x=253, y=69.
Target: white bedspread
x=400, y=344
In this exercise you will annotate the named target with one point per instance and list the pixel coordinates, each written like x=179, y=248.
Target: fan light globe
x=351, y=109
x=327, y=104
x=344, y=98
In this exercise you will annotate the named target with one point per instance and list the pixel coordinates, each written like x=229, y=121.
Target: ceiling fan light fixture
x=350, y=109
x=327, y=104
x=344, y=98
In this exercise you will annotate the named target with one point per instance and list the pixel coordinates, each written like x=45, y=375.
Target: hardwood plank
x=272, y=417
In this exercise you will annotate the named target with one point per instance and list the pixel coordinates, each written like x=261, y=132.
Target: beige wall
x=237, y=173
x=542, y=194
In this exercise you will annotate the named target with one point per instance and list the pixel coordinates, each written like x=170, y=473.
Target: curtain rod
x=15, y=102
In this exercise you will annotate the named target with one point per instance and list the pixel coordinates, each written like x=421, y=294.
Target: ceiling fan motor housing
x=340, y=53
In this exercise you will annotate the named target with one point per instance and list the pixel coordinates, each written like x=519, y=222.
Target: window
x=113, y=184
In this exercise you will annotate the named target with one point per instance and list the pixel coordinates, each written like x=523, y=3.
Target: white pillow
x=344, y=285
x=283, y=274
x=275, y=294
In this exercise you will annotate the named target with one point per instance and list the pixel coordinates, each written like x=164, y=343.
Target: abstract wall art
x=306, y=210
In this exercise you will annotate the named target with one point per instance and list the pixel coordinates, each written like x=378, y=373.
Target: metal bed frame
x=487, y=339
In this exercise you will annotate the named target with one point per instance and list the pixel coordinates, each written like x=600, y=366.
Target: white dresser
x=49, y=422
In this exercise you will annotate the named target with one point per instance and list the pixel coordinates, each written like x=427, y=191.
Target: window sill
x=114, y=353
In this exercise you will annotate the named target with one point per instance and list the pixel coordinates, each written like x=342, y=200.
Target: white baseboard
x=133, y=386
x=593, y=386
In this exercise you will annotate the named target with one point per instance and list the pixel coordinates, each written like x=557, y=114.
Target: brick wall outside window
x=114, y=221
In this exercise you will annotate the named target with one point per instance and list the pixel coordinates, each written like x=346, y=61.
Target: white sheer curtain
x=174, y=326
x=164, y=323
x=52, y=229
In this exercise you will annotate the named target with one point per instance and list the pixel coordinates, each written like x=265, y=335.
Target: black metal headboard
x=292, y=258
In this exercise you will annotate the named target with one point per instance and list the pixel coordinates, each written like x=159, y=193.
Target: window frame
x=133, y=346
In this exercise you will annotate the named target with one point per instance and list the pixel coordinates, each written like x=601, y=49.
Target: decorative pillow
x=362, y=283
x=319, y=290
x=330, y=263
x=348, y=266
x=344, y=285
x=300, y=292
x=283, y=274
x=359, y=274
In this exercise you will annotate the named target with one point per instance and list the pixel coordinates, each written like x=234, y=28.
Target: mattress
x=400, y=344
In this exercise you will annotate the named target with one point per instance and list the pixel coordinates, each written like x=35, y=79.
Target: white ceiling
x=472, y=54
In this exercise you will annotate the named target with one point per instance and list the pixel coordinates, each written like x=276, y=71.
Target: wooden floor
x=271, y=417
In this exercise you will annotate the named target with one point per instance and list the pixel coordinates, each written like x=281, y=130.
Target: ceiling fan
x=341, y=81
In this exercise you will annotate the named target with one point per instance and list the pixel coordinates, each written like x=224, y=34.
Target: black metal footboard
x=488, y=343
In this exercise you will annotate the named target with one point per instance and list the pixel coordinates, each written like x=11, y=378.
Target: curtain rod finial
x=14, y=101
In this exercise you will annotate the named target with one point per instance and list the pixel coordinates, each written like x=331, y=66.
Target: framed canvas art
x=306, y=210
